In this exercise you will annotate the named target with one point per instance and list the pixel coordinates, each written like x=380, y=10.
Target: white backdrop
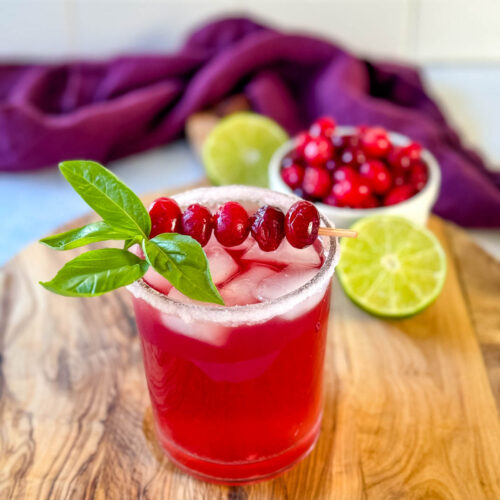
x=425, y=31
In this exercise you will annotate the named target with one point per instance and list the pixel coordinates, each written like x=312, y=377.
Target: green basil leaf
x=131, y=241
x=97, y=272
x=116, y=203
x=97, y=231
x=181, y=260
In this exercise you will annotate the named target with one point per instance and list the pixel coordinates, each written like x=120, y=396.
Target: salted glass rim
x=250, y=313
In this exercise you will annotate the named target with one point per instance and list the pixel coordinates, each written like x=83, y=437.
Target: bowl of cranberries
x=353, y=172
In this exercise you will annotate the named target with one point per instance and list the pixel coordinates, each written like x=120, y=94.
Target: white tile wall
x=458, y=30
x=418, y=30
x=112, y=26
x=35, y=29
x=470, y=97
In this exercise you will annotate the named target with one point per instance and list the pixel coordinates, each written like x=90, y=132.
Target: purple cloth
x=107, y=110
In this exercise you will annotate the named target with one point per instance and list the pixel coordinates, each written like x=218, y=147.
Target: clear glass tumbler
x=236, y=391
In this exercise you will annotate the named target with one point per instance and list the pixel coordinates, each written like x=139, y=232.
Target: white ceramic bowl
x=417, y=208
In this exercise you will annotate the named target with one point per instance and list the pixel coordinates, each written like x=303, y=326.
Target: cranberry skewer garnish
x=231, y=224
x=165, y=216
x=302, y=224
x=196, y=222
x=268, y=227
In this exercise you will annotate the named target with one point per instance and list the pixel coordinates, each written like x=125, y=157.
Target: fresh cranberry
x=377, y=176
x=318, y=151
x=331, y=200
x=332, y=164
x=370, y=202
x=196, y=222
x=399, y=178
x=231, y=224
x=405, y=156
x=301, y=141
x=375, y=142
x=398, y=194
x=293, y=175
x=317, y=182
x=165, y=216
x=291, y=158
x=353, y=156
x=418, y=175
x=343, y=172
x=302, y=224
x=268, y=227
x=301, y=193
x=338, y=142
x=324, y=126
x=351, y=192
x=345, y=141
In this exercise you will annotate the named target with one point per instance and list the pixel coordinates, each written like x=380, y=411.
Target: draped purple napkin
x=107, y=110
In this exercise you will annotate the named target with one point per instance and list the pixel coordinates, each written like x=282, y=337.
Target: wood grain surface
x=409, y=405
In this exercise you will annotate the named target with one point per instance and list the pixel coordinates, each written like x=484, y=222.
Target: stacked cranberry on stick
x=231, y=223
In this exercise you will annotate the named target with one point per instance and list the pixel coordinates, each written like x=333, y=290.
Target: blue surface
x=32, y=204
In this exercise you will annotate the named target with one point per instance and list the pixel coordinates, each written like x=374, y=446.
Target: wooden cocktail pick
x=336, y=231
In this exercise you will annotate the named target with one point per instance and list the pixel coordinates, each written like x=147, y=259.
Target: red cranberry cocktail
x=236, y=390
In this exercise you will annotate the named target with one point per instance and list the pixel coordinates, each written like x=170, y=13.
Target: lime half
x=239, y=148
x=393, y=268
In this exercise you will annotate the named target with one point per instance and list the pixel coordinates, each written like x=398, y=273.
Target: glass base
x=239, y=473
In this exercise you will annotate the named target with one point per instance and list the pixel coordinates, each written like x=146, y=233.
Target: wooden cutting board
x=409, y=405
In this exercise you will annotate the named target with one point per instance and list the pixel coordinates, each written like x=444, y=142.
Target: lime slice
x=393, y=268
x=239, y=148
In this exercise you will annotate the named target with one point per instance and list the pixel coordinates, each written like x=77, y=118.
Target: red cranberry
x=353, y=156
x=165, y=216
x=332, y=164
x=291, y=158
x=404, y=157
x=196, y=222
x=345, y=141
x=231, y=224
x=418, y=175
x=301, y=193
x=343, y=172
x=361, y=129
x=399, y=178
x=300, y=143
x=268, y=227
x=302, y=224
x=376, y=175
x=317, y=182
x=370, y=202
x=324, y=126
x=398, y=194
x=331, y=200
x=351, y=192
x=338, y=142
x=375, y=142
x=293, y=175
x=318, y=151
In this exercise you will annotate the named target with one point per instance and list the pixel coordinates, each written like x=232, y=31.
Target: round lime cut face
x=393, y=268
x=239, y=148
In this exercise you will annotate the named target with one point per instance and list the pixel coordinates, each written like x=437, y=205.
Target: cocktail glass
x=236, y=392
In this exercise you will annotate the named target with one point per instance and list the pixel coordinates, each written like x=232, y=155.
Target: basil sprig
x=178, y=258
